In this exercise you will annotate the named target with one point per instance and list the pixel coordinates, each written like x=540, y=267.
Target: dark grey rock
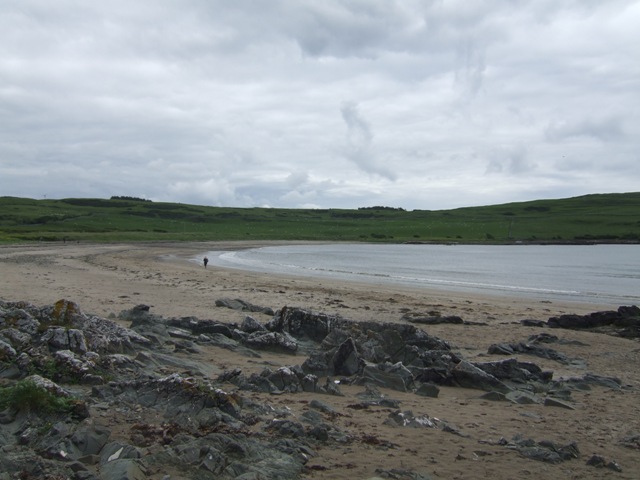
x=276, y=341
x=468, y=375
x=428, y=390
x=243, y=306
x=251, y=325
x=124, y=469
x=346, y=360
x=385, y=379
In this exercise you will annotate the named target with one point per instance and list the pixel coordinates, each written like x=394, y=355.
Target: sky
x=414, y=104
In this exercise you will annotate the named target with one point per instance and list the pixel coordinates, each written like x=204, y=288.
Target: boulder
x=251, y=325
x=468, y=375
x=276, y=341
x=346, y=360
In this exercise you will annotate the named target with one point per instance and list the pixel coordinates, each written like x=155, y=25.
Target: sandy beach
x=106, y=279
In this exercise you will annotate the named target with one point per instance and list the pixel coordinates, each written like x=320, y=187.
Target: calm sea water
x=602, y=274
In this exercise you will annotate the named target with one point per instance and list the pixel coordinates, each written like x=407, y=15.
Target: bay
x=602, y=274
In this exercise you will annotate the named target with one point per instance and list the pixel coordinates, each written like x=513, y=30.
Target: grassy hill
x=601, y=217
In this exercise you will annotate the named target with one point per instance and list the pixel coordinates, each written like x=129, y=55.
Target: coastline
x=105, y=279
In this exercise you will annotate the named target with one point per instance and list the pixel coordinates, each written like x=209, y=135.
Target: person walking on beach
x=205, y=261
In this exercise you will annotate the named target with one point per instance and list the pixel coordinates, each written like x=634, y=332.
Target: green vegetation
x=601, y=218
x=26, y=395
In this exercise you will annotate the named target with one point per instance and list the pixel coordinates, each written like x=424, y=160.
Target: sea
x=599, y=274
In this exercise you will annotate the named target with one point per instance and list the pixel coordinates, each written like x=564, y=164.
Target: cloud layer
x=413, y=104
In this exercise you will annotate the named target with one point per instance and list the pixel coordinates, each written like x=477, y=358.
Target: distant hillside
x=590, y=218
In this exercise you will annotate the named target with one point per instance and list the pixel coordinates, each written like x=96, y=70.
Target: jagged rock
x=522, y=398
x=7, y=351
x=545, y=451
x=48, y=385
x=468, y=375
x=528, y=349
x=501, y=349
x=377, y=375
x=285, y=379
x=303, y=324
x=543, y=338
x=59, y=338
x=514, y=371
x=15, y=338
x=625, y=319
x=346, y=360
x=371, y=396
x=586, y=381
x=74, y=368
x=251, y=325
x=124, y=469
x=408, y=419
x=89, y=440
x=272, y=341
x=202, y=430
x=599, y=462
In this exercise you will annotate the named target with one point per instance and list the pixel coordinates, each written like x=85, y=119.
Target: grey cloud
x=512, y=160
x=210, y=101
x=359, y=142
x=606, y=130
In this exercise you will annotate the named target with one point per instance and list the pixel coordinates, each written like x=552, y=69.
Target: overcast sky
x=332, y=104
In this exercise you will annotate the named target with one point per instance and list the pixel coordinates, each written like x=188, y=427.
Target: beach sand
x=170, y=278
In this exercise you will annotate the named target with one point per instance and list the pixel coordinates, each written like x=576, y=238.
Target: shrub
x=26, y=395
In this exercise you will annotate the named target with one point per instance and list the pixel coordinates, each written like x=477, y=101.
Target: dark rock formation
x=77, y=364
x=624, y=322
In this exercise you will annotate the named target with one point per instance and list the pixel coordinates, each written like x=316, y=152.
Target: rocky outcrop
x=624, y=322
x=187, y=417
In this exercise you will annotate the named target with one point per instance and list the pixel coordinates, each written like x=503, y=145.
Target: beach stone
x=468, y=375
x=89, y=440
x=522, y=398
x=285, y=379
x=346, y=360
x=428, y=390
x=124, y=469
x=65, y=339
x=301, y=323
x=515, y=371
x=279, y=341
x=408, y=419
x=251, y=325
x=6, y=350
x=382, y=378
x=545, y=450
x=495, y=397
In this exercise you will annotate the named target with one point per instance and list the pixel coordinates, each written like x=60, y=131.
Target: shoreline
x=163, y=275
x=106, y=279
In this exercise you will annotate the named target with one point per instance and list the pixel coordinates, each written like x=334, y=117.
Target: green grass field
x=601, y=218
